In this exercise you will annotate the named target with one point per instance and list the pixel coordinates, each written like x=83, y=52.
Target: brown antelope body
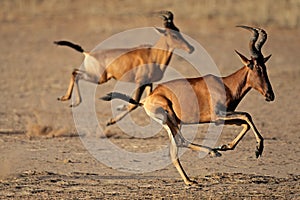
x=142, y=65
x=190, y=101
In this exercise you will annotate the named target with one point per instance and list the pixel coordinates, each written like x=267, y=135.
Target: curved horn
x=254, y=51
x=263, y=39
x=168, y=17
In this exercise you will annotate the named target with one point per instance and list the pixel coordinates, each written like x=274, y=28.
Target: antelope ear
x=243, y=58
x=267, y=58
x=160, y=31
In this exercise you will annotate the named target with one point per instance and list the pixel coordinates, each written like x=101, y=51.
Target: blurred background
x=284, y=13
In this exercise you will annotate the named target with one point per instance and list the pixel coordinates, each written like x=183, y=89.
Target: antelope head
x=257, y=77
x=172, y=34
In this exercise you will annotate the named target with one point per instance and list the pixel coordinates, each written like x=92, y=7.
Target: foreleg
x=247, y=123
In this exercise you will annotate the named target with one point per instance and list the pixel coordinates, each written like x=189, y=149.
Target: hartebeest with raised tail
x=142, y=65
x=172, y=104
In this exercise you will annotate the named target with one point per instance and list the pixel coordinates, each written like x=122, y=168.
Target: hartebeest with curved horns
x=177, y=102
x=142, y=65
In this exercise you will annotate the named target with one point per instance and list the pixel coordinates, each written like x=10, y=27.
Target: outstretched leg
x=68, y=94
x=137, y=97
x=175, y=159
x=182, y=142
x=160, y=111
x=247, y=123
x=76, y=76
x=147, y=90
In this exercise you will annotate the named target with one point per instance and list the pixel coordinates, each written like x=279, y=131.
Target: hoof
x=110, y=122
x=259, y=149
x=191, y=183
x=215, y=153
x=258, y=153
x=62, y=98
x=73, y=105
x=224, y=147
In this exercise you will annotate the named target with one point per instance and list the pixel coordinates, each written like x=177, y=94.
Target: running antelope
x=172, y=104
x=142, y=65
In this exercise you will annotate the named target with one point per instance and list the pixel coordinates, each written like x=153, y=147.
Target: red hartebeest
x=171, y=104
x=142, y=65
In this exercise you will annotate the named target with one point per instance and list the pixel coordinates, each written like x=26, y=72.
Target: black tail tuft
x=69, y=44
x=117, y=95
x=108, y=97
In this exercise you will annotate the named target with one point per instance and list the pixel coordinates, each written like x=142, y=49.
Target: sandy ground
x=42, y=156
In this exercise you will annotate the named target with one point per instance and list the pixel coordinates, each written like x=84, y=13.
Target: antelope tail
x=117, y=95
x=70, y=44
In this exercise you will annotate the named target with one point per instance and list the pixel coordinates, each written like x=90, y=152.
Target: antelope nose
x=270, y=96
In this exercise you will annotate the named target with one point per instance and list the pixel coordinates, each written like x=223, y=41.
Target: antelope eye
x=251, y=65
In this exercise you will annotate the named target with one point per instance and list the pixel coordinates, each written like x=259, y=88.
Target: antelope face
x=259, y=79
x=258, y=76
x=172, y=34
x=175, y=40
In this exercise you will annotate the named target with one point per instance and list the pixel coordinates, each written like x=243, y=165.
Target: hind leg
x=148, y=89
x=68, y=94
x=175, y=159
x=160, y=112
x=76, y=76
x=137, y=97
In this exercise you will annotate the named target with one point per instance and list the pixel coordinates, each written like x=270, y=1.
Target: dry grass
x=267, y=12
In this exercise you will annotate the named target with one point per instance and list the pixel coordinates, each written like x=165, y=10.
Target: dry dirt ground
x=42, y=156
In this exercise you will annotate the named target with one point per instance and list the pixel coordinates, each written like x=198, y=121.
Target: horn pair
x=254, y=45
x=168, y=18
